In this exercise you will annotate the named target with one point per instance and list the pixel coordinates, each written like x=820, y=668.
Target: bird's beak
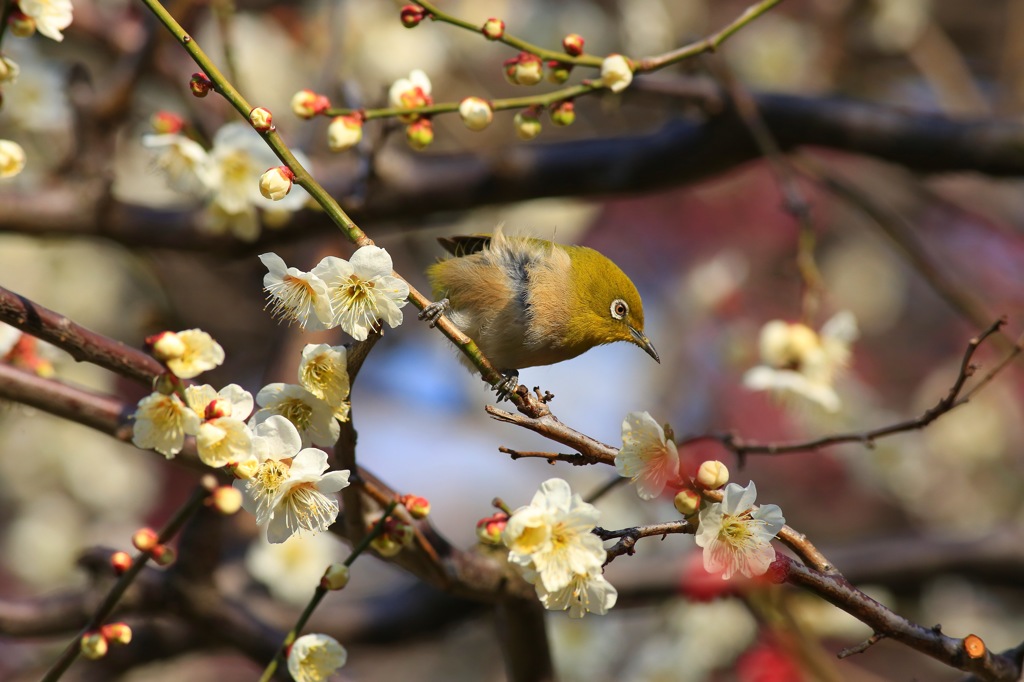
x=645, y=343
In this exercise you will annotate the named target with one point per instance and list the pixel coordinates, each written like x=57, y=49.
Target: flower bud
x=686, y=502
x=344, y=132
x=166, y=383
x=226, y=499
x=419, y=507
x=493, y=29
x=527, y=124
x=9, y=70
x=12, y=158
x=307, y=104
x=117, y=633
x=245, y=469
x=412, y=15
x=419, y=134
x=335, y=577
x=616, y=72
x=166, y=122
x=385, y=546
x=563, y=113
x=261, y=119
x=573, y=44
x=145, y=539
x=120, y=562
x=489, y=529
x=558, y=72
x=94, y=645
x=524, y=69
x=276, y=182
x=476, y=113
x=166, y=346
x=164, y=555
x=200, y=85
x=21, y=25
x=712, y=474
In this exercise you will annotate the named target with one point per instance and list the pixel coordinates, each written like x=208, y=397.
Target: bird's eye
x=619, y=309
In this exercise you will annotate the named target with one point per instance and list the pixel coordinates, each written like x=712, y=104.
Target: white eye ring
x=619, y=309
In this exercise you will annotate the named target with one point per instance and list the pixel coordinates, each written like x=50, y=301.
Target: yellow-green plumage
x=529, y=302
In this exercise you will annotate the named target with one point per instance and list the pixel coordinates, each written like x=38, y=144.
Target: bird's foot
x=507, y=386
x=434, y=311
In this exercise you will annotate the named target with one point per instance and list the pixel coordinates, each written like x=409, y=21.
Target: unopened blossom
x=524, y=69
x=647, y=457
x=9, y=70
x=799, y=361
x=412, y=15
x=201, y=354
x=315, y=657
x=420, y=134
x=324, y=373
x=552, y=536
x=276, y=183
x=344, y=132
x=313, y=417
x=585, y=593
x=12, y=159
x=736, y=537
x=527, y=124
x=296, y=296
x=363, y=291
x=290, y=493
x=476, y=113
x=50, y=16
x=493, y=29
x=410, y=93
x=616, y=73
x=161, y=423
x=573, y=44
x=712, y=474
x=307, y=104
x=563, y=113
x=261, y=119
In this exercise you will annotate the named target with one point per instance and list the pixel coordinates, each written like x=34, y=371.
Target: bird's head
x=607, y=305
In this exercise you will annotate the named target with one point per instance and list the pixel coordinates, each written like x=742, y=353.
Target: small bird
x=529, y=302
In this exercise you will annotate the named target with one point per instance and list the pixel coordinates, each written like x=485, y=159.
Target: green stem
x=709, y=44
x=497, y=104
x=104, y=610
x=510, y=40
x=318, y=595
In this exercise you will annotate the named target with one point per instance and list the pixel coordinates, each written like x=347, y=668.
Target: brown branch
x=628, y=537
x=835, y=589
x=591, y=451
x=954, y=398
x=82, y=344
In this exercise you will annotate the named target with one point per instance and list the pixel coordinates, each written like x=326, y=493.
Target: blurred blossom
x=774, y=53
x=12, y=159
x=43, y=541
x=51, y=16
x=586, y=650
x=8, y=337
x=897, y=25
x=291, y=570
x=37, y=102
x=867, y=280
x=647, y=28
x=713, y=281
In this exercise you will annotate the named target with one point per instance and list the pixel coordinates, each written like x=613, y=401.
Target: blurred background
x=928, y=522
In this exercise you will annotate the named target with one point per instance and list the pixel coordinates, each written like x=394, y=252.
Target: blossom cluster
x=550, y=542
x=229, y=175
x=355, y=294
x=282, y=479
x=736, y=536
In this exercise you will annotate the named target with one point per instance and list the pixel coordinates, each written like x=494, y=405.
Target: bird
x=528, y=302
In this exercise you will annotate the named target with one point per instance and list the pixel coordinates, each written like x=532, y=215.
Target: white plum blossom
x=182, y=160
x=647, y=458
x=12, y=159
x=799, y=361
x=344, y=132
x=407, y=93
x=289, y=493
x=50, y=16
x=315, y=657
x=552, y=538
x=363, y=291
x=223, y=437
x=162, y=422
x=296, y=296
x=586, y=593
x=616, y=74
x=476, y=113
x=735, y=536
x=324, y=373
x=313, y=417
x=201, y=354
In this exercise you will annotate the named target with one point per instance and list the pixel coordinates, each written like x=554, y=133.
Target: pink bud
x=145, y=539
x=120, y=562
x=307, y=104
x=165, y=122
x=563, y=113
x=200, y=85
x=573, y=44
x=412, y=15
x=493, y=29
x=261, y=119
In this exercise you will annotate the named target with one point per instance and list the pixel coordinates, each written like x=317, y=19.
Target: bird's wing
x=465, y=245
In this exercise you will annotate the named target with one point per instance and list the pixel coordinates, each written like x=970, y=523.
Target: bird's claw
x=507, y=386
x=434, y=311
